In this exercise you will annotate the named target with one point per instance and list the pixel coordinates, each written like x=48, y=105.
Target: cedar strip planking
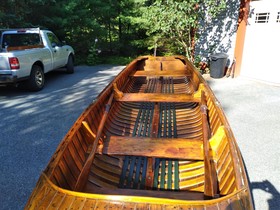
x=82, y=144
x=78, y=149
x=73, y=164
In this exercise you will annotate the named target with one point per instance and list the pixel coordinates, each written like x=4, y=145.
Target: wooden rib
x=211, y=179
x=123, y=116
x=174, y=73
x=141, y=84
x=190, y=170
x=86, y=168
x=178, y=148
x=158, y=97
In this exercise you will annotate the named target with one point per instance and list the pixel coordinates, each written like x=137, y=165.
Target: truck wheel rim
x=39, y=78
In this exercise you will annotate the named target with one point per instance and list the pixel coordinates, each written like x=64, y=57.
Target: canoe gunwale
x=46, y=182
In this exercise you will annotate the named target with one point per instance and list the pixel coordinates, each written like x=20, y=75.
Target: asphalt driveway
x=253, y=111
x=33, y=124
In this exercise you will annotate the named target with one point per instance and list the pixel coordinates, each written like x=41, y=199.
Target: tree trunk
x=120, y=22
x=110, y=36
x=193, y=32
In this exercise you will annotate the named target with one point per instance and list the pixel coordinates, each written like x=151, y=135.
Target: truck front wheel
x=36, y=80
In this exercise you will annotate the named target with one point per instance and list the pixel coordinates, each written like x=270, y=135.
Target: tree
x=122, y=27
x=178, y=21
x=13, y=13
x=114, y=23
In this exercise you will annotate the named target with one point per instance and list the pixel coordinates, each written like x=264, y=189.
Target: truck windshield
x=20, y=39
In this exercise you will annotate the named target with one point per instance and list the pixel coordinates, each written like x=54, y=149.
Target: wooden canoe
x=155, y=138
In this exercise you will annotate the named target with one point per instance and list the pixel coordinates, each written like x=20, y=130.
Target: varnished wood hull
x=155, y=138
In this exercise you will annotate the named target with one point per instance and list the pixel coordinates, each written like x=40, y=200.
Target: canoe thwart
x=168, y=73
x=158, y=97
x=150, y=193
x=178, y=148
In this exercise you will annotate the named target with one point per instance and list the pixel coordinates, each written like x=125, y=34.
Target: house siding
x=219, y=34
x=260, y=59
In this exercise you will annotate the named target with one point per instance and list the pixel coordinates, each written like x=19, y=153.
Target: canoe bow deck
x=155, y=138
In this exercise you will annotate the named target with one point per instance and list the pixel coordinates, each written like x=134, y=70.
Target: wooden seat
x=184, y=195
x=175, y=73
x=157, y=97
x=176, y=148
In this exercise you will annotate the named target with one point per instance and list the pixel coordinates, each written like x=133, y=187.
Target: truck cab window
x=54, y=40
x=20, y=39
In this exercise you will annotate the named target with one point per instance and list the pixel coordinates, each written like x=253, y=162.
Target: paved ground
x=253, y=111
x=33, y=124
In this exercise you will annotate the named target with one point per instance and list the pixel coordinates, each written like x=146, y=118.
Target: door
x=262, y=42
x=60, y=53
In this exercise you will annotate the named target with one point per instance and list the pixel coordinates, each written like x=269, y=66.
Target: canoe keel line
x=155, y=138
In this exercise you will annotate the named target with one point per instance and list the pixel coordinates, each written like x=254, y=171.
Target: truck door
x=60, y=54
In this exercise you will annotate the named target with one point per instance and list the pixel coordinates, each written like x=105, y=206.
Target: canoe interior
x=151, y=144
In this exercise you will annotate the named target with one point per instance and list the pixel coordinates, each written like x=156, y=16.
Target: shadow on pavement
x=266, y=186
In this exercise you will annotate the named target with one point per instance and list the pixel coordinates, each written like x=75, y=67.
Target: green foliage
x=116, y=60
x=123, y=27
x=92, y=57
x=178, y=21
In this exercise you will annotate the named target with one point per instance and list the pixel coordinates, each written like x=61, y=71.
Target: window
x=54, y=40
x=21, y=39
x=262, y=17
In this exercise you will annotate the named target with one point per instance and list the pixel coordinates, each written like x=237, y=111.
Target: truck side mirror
x=54, y=45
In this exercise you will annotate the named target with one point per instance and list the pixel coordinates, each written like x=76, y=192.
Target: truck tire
x=70, y=65
x=36, y=80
